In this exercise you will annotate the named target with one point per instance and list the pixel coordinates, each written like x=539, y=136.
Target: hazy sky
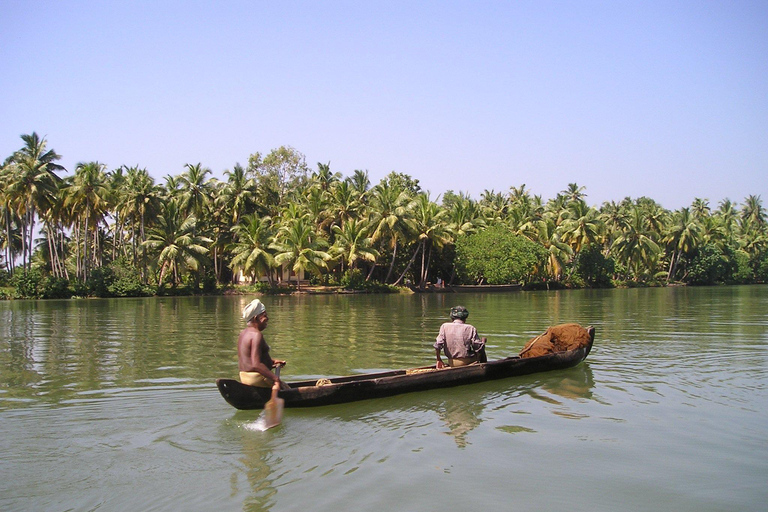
x=667, y=99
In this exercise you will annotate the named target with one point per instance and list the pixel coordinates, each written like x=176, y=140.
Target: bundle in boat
x=558, y=338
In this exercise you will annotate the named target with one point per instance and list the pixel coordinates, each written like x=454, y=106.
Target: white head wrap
x=255, y=308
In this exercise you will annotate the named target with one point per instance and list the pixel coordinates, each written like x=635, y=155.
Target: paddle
x=273, y=409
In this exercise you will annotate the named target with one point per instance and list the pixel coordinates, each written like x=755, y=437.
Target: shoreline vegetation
x=277, y=226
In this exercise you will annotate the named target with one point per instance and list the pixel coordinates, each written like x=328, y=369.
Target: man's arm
x=439, y=344
x=439, y=363
x=478, y=343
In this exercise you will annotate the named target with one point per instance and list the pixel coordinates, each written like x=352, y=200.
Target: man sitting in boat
x=459, y=341
x=253, y=352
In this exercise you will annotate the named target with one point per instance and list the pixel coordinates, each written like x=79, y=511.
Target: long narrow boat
x=376, y=385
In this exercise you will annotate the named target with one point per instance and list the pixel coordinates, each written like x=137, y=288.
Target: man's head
x=253, y=310
x=459, y=312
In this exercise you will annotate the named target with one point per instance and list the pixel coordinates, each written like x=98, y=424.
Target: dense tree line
x=119, y=232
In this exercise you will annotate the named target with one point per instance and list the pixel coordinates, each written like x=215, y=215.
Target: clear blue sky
x=667, y=99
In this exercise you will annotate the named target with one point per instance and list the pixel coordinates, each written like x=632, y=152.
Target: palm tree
x=117, y=181
x=140, y=201
x=344, y=202
x=353, y=244
x=754, y=231
x=31, y=185
x=494, y=205
x=613, y=216
x=298, y=246
x=581, y=226
x=195, y=190
x=574, y=192
x=293, y=212
x=172, y=240
x=317, y=205
x=634, y=246
x=700, y=208
x=238, y=194
x=545, y=232
x=360, y=184
x=523, y=208
x=682, y=237
x=727, y=215
x=753, y=212
x=390, y=218
x=250, y=250
x=324, y=177
x=11, y=221
x=87, y=196
x=464, y=216
x=172, y=188
x=431, y=231
x=55, y=218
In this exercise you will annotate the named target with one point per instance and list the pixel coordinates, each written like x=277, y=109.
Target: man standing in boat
x=253, y=352
x=459, y=341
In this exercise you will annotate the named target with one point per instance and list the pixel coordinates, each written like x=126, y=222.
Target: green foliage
x=55, y=288
x=209, y=281
x=711, y=265
x=497, y=256
x=118, y=279
x=353, y=279
x=594, y=268
x=5, y=278
x=28, y=284
x=79, y=288
x=402, y=181
x=760, y=265
x=575, y=280
x=275, y=214
x=35, y=284
x=743, y=271
x=323, y=280
x=258, y=287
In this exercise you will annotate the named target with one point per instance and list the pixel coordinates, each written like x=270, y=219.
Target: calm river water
x=111, y=405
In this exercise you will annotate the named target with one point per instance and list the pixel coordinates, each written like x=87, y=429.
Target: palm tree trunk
x=85, y=250
x=392, y=264
x=216, y=263
x=672, y=266
x=49, y=237
x=8, y=240
x=27, y=238
x=408, y=267
x=77, y=248
x=425, y=268
x=62, y=251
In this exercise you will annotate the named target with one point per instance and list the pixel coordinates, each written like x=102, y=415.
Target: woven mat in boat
x=419, y=370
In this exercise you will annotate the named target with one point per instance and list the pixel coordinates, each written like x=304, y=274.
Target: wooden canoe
x=376, y=385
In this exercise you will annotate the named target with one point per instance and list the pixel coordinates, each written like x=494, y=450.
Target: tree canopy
x=497, y=256
x=276, y=220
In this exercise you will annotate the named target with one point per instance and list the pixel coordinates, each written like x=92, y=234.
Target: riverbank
x=11, y=293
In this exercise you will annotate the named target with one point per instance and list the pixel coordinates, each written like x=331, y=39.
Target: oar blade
x=273, y=411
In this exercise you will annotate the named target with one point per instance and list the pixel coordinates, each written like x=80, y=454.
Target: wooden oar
x=273, y=409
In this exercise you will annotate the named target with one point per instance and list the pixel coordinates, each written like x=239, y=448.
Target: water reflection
x=460, y=418
x=255, y=459
x=574, y=383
